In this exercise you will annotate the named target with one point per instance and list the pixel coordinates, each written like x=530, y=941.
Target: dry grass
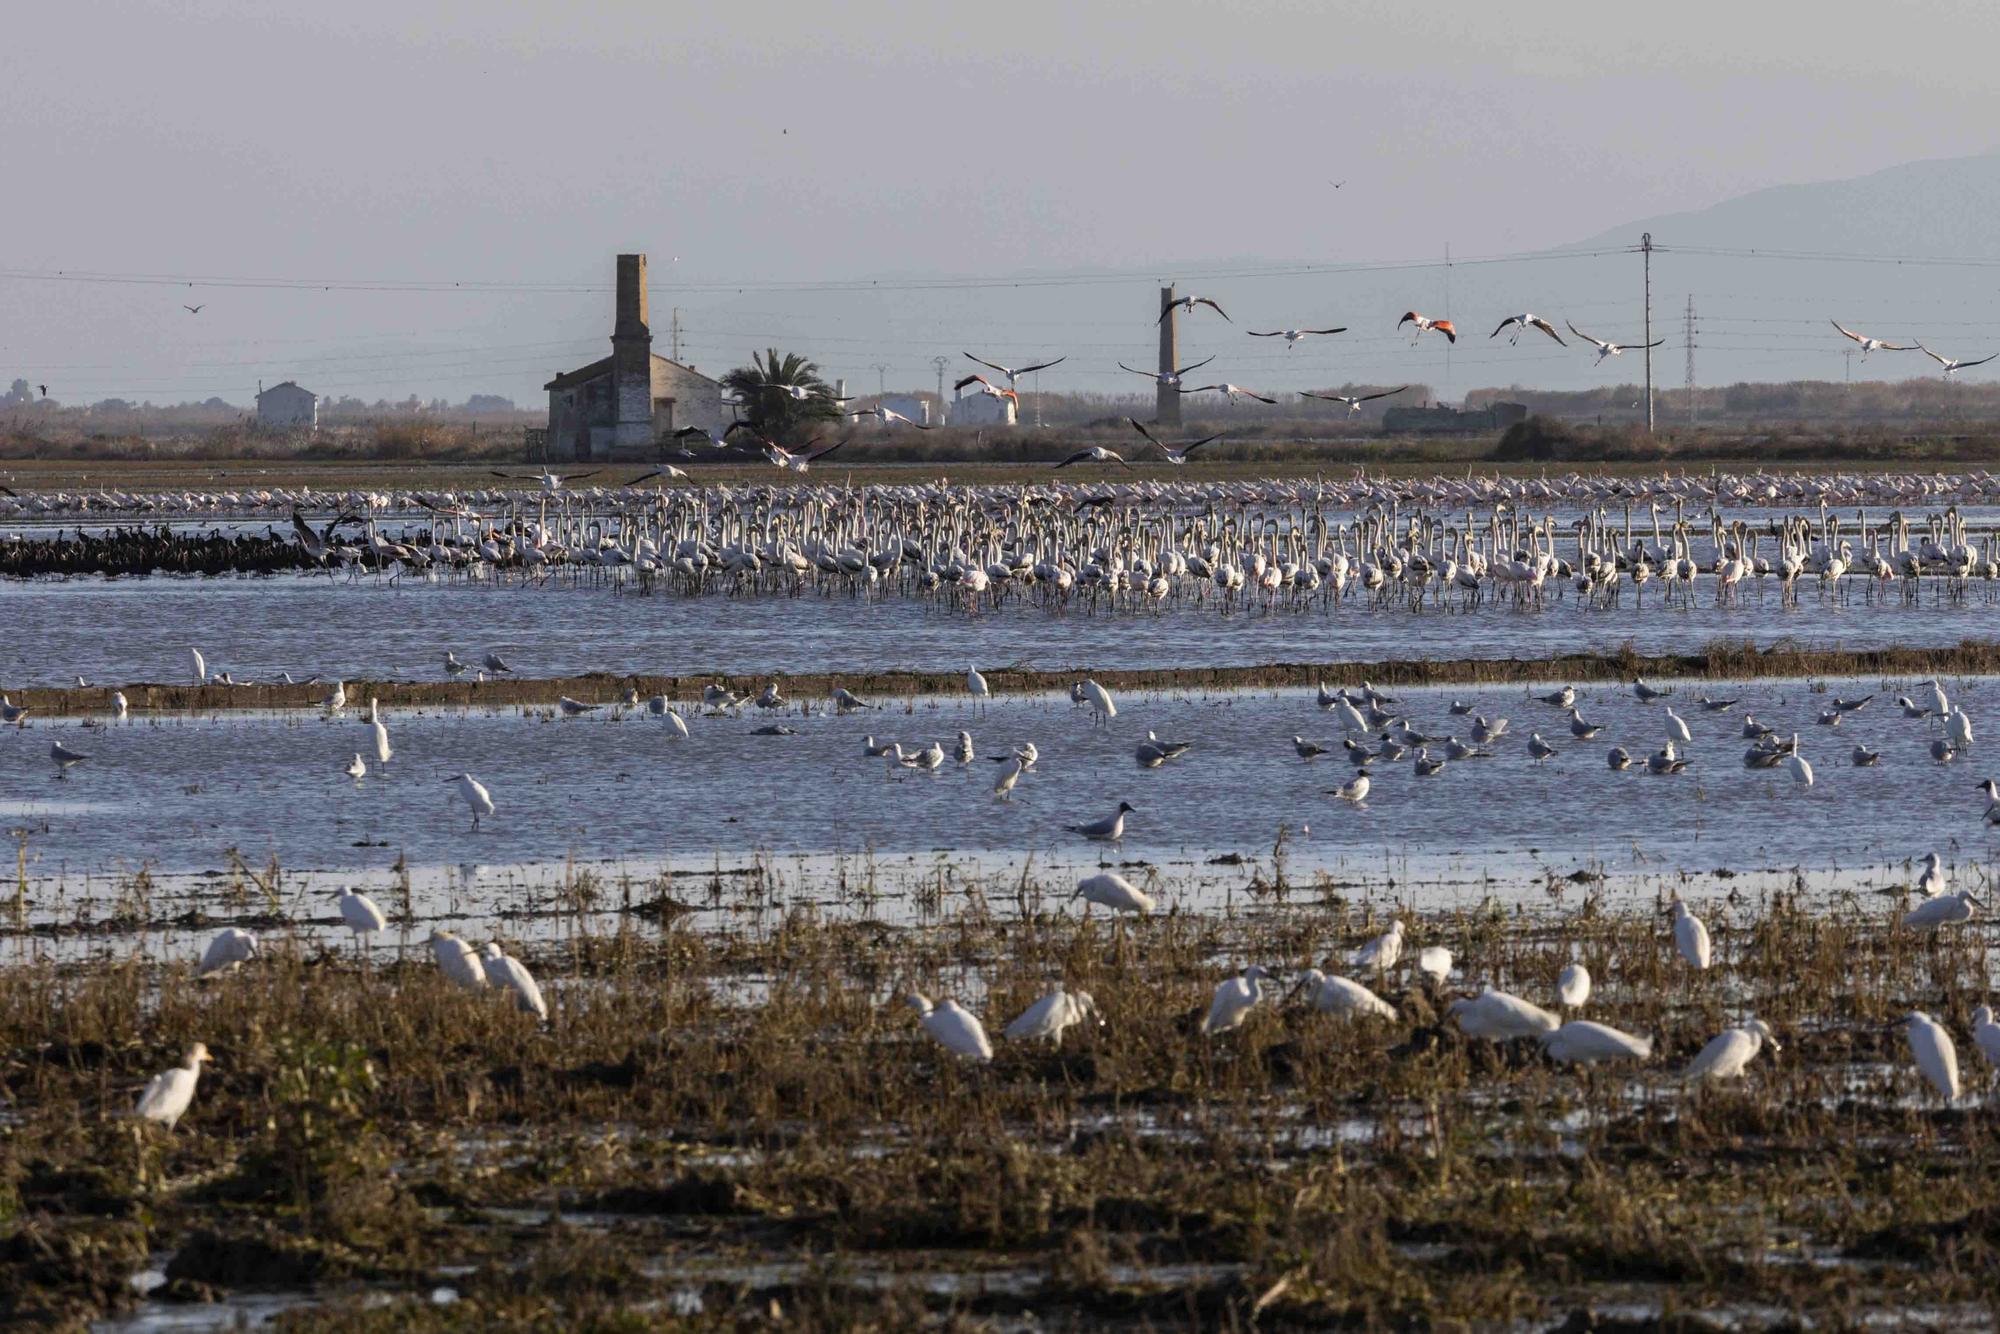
x=767, y=1127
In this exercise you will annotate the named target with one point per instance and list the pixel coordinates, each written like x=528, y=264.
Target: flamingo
x=1425, y=324
x=1229, y=391
x=1292, y=336
x=1011, y=373
x=1605, y=349
x=1167, y=379
x=1353, y=401
x=1523, y=322
x=1188, y=303
x=1951, y=366
x=1872, y=344
x=1177, y=457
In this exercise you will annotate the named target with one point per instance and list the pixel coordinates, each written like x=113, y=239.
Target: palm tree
x=782, y=395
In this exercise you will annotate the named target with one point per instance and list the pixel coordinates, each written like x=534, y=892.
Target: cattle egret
x=1434, y=962
x=1691, y=936
x=1573, y=986
x=506, y=971
x=1585, y=1042
x=458, y=960
x=231, y=946
x=956, y=1029
x=1110, y=890
x=477, y=799
x=1944, y=910
x=1986, y=1034
x=1931, y=1047
x=1343, y=996
x=1234, y=1000
x=1052, y=1014
x=168, y=1094
x=1498, y=1016
x=360, y=913
x=1729, y=1051
x=1380, y=954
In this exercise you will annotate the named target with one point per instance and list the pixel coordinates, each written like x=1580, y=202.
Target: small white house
x=982, y=410
x=288, y=405
x=914, y=406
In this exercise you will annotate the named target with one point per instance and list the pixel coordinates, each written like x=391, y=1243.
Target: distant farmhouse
x=287, y=405
x=626, y=405
x=1437, y=419
x=982, y=410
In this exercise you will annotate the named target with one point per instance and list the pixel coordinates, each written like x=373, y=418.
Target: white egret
x=956, y=1029
x=1498, y=1016
x=1108, y=889
x=381, y=730
x=230, y=947
x=363, y=918
x=1380, y=954
x=1931, y=1047
x=1343, y=996
x=1102, y=707
x=1958, y=728
x=1003, y=788
x=1729, y=1051
x=1434, y=962
x=1944, y=910
x=975, y=683
x=168, y=1094
x=1573, y=986
x=1986, y=1034
x=458, y=960
x=477, y=799
x=1796, y=765
x=1052, y=1014
x=1691, y=936
x=1586, y=1042
x=505, y=971
x=1677, y=729
x=200, y=667
x=119, y=708
x=1234, y=1000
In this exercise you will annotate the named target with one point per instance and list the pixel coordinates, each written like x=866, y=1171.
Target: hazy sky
x=754, y=143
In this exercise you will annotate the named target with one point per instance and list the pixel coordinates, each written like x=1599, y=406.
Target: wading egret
x=1585, y=1042
x=1729, y=1051
x=1053, y=1013
x=1434, y=962
x=1108, y=889
x=477, y=799
x=1691, y=937
x=458, y=960
x=200, y=667
x=1102, y=707
x=1498, y=1016
x=956, y=1029
x=1343, y=996
x=1986, y=1034
x=506, y=971
x=1931, y=1047
x=1380, y=954
x=1573, y=986
x=1003, y=788
x=363, y=918
x=231, y=946
x=168, y=1094
x=381, y=730
x=1944, y=910
x=1234, y=1000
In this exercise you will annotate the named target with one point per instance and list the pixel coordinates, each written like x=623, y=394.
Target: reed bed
x=746, y=1128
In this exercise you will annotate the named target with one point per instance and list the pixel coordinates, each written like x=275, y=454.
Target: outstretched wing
x=1981, y=362
x=1275, y=333
x=1080, y=456
x=970, y=379
x=1848, y=332
x=1197, y=365
x=1205, y=440
x=647, y=477
x=1384, y=394
x=1041, y=366
x=1503, y=324
x=1210, y=303
x=1595, y=342
x=1548, y=329
x=1148, y=374
x=1133, y=422
x=1250, y=393
x=987, y=364
x=1341, y=329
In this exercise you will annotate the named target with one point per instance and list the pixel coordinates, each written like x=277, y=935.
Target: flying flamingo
x=1229, y=390
x=1012, y=374
x=1177, y=457
x=1524, y=322
x=986, y=387
x=1167, y=379
x=1872, y=344
x=1605, y=349
x=1292, y=336
x=1425, y=324
x=1353, y=401
x=1951, y=366
x=1188, y=303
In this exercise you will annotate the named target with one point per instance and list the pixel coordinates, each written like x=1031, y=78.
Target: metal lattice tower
x=1687, y=333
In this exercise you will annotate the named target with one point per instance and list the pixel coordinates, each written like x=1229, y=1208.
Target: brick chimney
x=632, y=359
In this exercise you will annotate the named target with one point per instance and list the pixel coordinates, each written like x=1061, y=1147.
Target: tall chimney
x=1167, y=401
x=632, y=322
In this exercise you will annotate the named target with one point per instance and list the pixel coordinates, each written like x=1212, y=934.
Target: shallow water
x=140, y=630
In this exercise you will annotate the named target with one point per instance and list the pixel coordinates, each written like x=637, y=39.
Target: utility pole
x=1688, y=337
x=1646, y=249
x=1447, y=314
x=940, y=362
x=1166, y=398
x=675, y=337
x=881, y=380
x=1848, y=381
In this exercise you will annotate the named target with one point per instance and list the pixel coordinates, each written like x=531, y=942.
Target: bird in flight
x=664, y=470
x=194, y=310
x=716, y=439
x=44, y=388
x=1523, y=322
x=550, y=481
x=1230, y=391
x=1012, y=373
x=986, y=387
x=1095, y=454
x=1426, y=324
x=1872, y=344
x=1188, y=303
x=1292, y=336
x=887, y=416
x=1951, y=366
x=1605, y=349
x=1167, y=379
x=799, y=393
x=796, y=460
x=1353, y=401
x=1177, y=457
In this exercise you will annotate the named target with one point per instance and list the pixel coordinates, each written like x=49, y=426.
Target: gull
x=458, y=960
x=1230, y=391
x=11, y=713
x=772, y=697
x=195, y=310
x=1107, y=830
x=1012, y=373
x=1167, y=379
x=1095, y=454
x=452, y=666
x=1234, y=1000
x=1458, y=708
x=494, y=664
x=1665, y=761
x=1308, y=750
x=1380, y=954
x=1690, y=936
x=572, y=708
x=1188, y=303
x=1585, y=1042
x=1851, y=705
x=1581, y=730
x=963, y=751
x=1863, y=757
x=1716, y=705
x=1605, y=349
x=666, y=470
x=357, y=769
x=1177, y=457
x=1911, y=709
x=1354, y=789
x=1052, y=1014
x=550, y=482
x=888, y=417
x=1729, y=1051
x=1951, y=366
x=956, y=1029
x=1342, y=996
x=1292, y=336
x=1454, y=749
x=336, y=700
x=1108, y=889
x=1427, y=767
x=1931, y=1047
x=477, y=799
x=1540, y=749
x=1944, y=910
x=1752, y=729
x=1872, y=344
x=231, y=947
x=363, y=918
x=1932, y=880
x=1353, y=401
x=845, y=701
x=1524, y=322
x=1619, y=758
x=1484, y=732
x=1562, y=699
x=873, y=751
x=1942, y=752
x=1498, y=1016
x=504, y=971
x=65, y=758
x=1356, y=752
x=168, y=1094
x=1003, y=788
x=1573, y=986
x=1647, y=694
x=1153, y=752
x=720, y=698
x=930, y=757
x=1425, y=324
